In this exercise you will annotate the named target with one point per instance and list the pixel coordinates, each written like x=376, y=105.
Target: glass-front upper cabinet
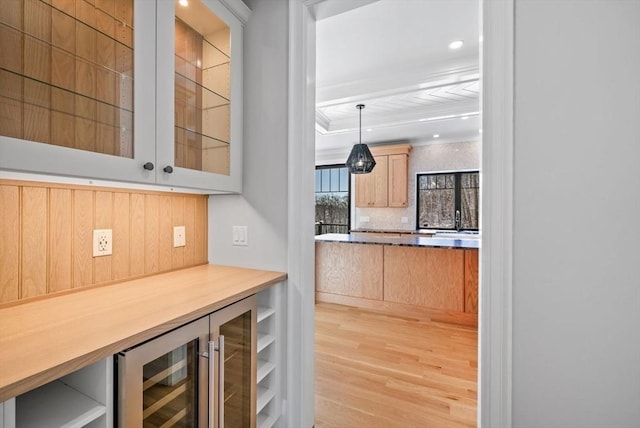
x=199, y=117
x=125, y=90
x=75, y=94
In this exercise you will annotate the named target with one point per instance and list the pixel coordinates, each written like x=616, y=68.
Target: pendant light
x=360, y=160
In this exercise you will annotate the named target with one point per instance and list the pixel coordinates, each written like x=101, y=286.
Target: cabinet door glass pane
x=237, y=371
x=169, y=388
x=66, y=73
x=202, y=89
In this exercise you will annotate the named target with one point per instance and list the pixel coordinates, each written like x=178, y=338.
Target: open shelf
x=264, y=368
x=264, y=340
x=56, y=405
x=264, y=313
x=265, y=421
x=264, y=396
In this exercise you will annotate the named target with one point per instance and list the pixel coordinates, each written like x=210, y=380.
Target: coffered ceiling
x=393, y=56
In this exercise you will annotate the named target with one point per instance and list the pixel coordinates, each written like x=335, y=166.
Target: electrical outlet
x=102, y=242
x=179, y=239
x=240, y=235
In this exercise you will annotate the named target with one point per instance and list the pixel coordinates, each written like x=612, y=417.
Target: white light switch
x=404, y=219
x=240, y=235
x=179, y=239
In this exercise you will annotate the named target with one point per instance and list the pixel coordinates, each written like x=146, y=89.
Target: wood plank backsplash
x=46, y=236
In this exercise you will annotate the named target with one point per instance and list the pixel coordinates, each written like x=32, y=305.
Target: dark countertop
x=407, y=241
x=405, y=231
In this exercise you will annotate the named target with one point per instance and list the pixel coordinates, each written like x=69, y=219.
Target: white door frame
x=496, y=217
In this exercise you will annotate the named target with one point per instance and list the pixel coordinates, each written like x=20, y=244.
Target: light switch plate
x=404, y=220
x=179, y=239
x=102, y=242
x=240, y=235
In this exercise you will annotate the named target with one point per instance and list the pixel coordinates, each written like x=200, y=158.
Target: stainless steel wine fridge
x=202, y=374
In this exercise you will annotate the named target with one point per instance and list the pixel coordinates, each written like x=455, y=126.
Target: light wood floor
x=378, y=370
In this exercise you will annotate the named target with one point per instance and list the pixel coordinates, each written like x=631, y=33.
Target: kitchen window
x=333, y=201
x=448, y=200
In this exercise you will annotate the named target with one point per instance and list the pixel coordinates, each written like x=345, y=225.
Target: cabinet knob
x=168, y=169
x=148, y=166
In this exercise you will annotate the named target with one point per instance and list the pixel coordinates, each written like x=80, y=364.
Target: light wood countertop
x=45, y=339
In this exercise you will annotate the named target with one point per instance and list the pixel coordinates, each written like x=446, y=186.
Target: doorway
x=444, y=115
x=496, y=217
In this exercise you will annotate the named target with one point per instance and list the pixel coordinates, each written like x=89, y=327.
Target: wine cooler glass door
x=234, y=340
x=161, y=381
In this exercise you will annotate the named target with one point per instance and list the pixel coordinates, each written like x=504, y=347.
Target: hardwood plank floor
x=380, y=370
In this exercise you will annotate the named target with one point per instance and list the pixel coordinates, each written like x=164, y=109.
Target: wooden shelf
x=264, y=340
x=264, y=313
x=56, y=404
x=264, y=396
x=264, y=368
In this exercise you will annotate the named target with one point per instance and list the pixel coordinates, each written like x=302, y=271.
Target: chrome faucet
x=458, y=222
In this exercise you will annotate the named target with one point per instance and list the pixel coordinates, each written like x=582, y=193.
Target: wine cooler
x=202, y=374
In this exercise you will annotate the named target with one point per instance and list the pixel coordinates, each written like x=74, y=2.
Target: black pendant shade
x=360, y=159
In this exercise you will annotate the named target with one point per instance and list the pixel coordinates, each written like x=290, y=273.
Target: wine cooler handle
x=221, y=382
x=212, y=382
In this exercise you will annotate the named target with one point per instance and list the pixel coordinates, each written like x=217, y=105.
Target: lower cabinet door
x=234, y=340
x=165, y=382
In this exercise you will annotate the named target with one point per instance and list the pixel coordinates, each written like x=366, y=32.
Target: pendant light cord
x=360, y=107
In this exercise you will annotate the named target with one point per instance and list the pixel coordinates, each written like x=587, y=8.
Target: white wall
x=576, y=287
x=262, y=207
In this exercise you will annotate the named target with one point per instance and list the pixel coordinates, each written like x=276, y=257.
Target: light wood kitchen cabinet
x=398, y=167
x=434, y=283
x=87, y=90
x=431, y=277
x=387, y=184
x=355, y=270
x=471, y=281
x=372, y=189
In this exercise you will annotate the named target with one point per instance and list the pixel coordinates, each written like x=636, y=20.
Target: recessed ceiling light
x=457, y=44
x=464, y=117
x=436, y=135
x=369, y=129
x=184, y=3
x=479, y=131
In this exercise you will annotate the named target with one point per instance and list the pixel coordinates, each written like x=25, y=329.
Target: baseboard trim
x=401, y=309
